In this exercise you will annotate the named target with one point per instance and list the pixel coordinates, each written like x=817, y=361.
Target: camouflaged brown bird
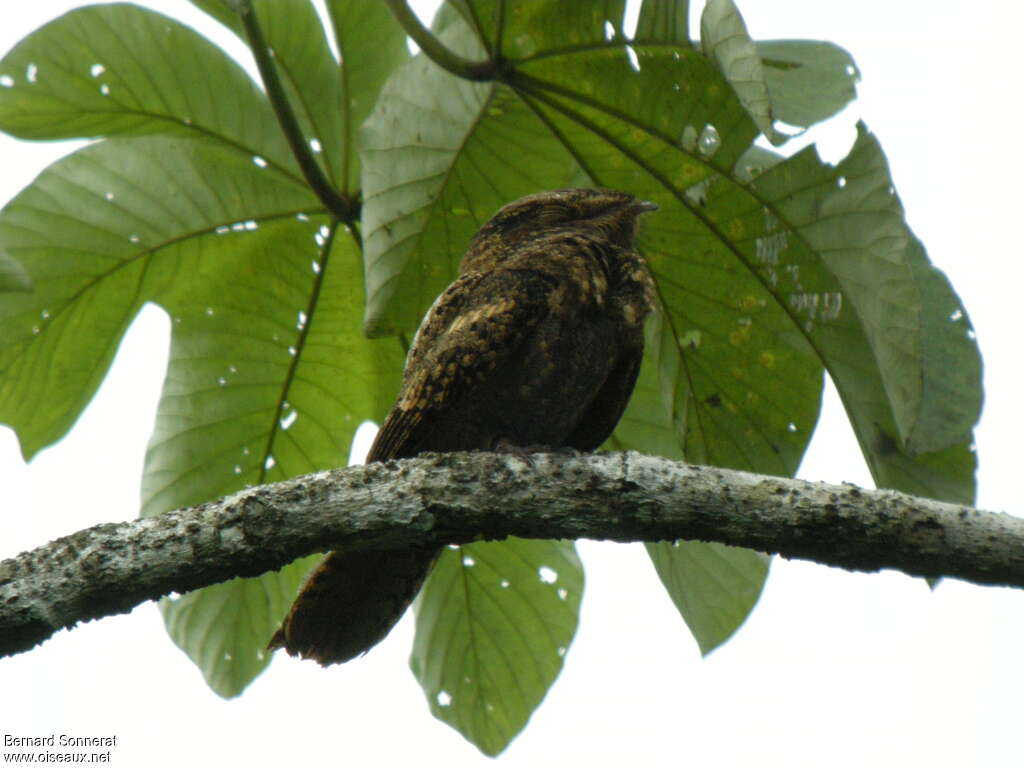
x=536, y=346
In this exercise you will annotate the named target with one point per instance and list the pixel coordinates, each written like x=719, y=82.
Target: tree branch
x=462, y=497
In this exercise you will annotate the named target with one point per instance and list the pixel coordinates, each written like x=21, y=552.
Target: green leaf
x=808, y=81
x=714, y=586
x=100, y=232
x=493, y=624
x=114, y=70
x=13, y=276
x=667, y=20
x=724, y=38
x=268, y=375
x=215, y=625
x=373, y=47
x=952, y=397
x=865, y=309
x=849, y=219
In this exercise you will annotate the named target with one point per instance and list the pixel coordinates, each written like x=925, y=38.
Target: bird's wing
x=473, y=327
x=598, y=422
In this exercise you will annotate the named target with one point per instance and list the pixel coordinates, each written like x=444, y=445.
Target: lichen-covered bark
x=460, y=497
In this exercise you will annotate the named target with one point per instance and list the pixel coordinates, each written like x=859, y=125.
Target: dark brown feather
x=537, y=343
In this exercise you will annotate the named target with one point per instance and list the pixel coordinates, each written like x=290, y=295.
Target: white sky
x=832, y=669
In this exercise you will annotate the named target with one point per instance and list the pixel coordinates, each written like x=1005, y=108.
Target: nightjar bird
x=536, y=345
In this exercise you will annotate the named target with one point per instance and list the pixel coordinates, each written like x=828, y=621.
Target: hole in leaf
x=634, y=61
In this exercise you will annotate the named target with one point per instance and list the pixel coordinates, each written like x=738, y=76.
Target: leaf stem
x=344, y=208
x=499, y=28
x=434, y=50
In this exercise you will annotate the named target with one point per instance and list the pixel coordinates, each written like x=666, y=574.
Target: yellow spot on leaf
x=740, y=336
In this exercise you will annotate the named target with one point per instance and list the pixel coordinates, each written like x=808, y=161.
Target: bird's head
x=610, y=211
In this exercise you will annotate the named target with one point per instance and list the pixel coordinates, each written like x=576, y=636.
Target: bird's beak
x=643, y=206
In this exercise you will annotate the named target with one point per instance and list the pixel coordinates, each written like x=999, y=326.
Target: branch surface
x=462, y=497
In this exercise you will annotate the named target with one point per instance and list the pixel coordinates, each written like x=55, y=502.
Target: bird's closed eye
x=553, y=214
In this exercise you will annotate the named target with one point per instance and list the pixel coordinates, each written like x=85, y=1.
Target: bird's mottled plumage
x=536, y=344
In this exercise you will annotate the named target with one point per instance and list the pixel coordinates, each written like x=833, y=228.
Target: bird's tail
x=351, y=601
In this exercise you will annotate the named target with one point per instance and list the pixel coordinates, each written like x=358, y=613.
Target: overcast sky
x=832, y=669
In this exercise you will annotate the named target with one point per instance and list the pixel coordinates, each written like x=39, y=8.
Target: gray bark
x=457, y=498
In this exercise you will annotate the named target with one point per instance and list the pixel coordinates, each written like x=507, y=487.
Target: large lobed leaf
x=770, y=271
x=204, y=214
x=493, y=624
